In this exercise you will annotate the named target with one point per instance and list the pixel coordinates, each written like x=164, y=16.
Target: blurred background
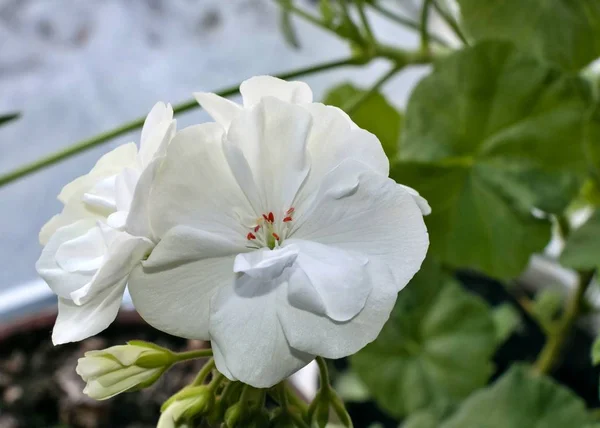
x=75, y=68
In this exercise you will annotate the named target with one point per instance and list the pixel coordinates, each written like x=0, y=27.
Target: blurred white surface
x=75, y=68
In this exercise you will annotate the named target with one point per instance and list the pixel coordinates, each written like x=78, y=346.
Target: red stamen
x=288, y=218
x=276, y=236
x=250, y=236
x=257, y=228
x=271, y=217
x=265, y=217
x=290, y=211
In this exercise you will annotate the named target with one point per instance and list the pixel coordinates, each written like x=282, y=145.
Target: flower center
x=270, y=230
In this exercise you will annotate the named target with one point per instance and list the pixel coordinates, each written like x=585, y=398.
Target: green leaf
x=488, y=136
x=9, y=117
x=596, y=352
x=565, y=32
x=521, y=399
x=327, y=11
x=582, y=249
x=375, y=114
x=592, y=143
x=350, y=388
x=428, y=418
x=287, y=27
x=546, y=306
x=507, y=320
x=434, y=350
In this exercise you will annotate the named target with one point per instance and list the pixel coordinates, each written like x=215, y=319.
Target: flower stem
x=549, y=355
x=424, y=25
x=204, y=372
x=324, y=373
x=451, y=22
x=357, y=101
x=406, y=22
x=365, y=22
x=190, y=355
x=138, y=123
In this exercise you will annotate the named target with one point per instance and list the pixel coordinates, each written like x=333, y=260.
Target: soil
x=40, y=389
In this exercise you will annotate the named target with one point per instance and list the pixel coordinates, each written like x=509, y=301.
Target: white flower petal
x=220, y=109
x=123, y=253
x=340, y=279
x=319, y=335
x=173, y=288
x=421, y=201
x=266, y=264
x=84, y=253
x=273, y=137
x=359, y=210
x=109, y=164
x=194, y=186
x=256, y=88
x=76, y=323
x=72, y=194
x=137, y=222
x=124, y=188
x=60, y=281
x=245, y=327
x=157, y=132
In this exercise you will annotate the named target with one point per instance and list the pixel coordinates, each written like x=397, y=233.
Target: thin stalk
x=295, y=400
x=190, y=355
x=323, y=372
x=551, y=352
x=303, y=14
x=138, y=123
x=424, y=26
x=449, y=19
x=204, y=372
x=406, y=22
x=357, y=101
x=365, y=22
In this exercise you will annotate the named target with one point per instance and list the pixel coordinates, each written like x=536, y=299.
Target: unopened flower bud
x=187, y=404
x=122, y=368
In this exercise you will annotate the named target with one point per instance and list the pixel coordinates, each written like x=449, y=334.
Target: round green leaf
x=521, y=399
x=565, y=32
x=374, y=114
x=434, y=350
x=490, y=135
x=582, y=249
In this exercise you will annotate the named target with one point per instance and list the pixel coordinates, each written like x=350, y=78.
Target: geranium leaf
x=434, y=350
x=521, y=398
x=582, y=249
x=375, y=114
x=565, y=32
x=506, y=138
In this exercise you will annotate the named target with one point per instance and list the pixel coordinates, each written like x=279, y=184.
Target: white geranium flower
x=281, y=235
x=88, y=255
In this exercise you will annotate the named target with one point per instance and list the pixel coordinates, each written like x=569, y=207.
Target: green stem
x=190, y=355
x=324, y=373
x=564, y=226
x=204, y=372
x=449, y=19
x=289, y=6
x=357, y=101
x=216, y=381
x=138, y=123
x=424, y=26
x=406, y=22
x=295, y=400
x=365, y=22
x=555, y=342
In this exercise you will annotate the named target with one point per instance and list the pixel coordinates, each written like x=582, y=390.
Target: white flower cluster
x=274, y=232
